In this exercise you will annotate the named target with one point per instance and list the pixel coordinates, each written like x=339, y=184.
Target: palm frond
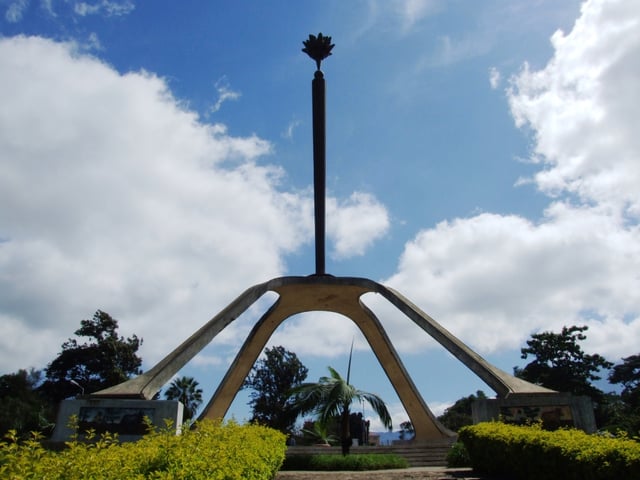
x=378, y=406
x=334, y=374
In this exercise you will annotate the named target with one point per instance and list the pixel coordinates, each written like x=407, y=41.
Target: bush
x=528, y=452
x=372, y=461
x=211, y=451
x=458, y=456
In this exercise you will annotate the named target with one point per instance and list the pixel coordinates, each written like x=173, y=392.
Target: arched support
x=338, y=298
x=500, y=381
x=321, y=293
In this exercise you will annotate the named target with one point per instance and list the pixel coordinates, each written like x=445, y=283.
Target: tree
x=459, y=414
x=332, y=397
x=625, y=412
x=105, y=361
x=271, y=380
x=560, y=363
x=21, y=407
x=407, y=431
x=627, y=374
x=185, y=390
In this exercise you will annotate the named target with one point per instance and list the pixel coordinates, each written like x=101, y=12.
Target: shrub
x=458, y=456
x=372, y=461
x=528, y=452
x=211, y=451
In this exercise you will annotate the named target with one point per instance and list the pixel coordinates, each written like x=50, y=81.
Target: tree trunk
x=345, y=432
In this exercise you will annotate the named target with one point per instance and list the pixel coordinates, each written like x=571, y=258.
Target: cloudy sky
x=483, y=158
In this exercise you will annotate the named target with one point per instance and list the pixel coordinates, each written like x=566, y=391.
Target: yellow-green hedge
x=528, y=452
x=212, y=451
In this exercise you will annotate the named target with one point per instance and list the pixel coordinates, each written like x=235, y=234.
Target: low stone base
x=553, y=409
x=122, y=416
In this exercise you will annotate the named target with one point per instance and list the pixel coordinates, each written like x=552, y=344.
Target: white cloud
x=115, y=197
x=494, y=78
x=583, y=108
x=453, y=50
x=355, y=223
x=397, y=412
x=224, y=94
x=438, y=408
x=400, y=16
x=412, y=11
x=331, y=334
x=105, y=7
x=92, y=43
x=16, y=10
x=495, y=279
x=288, y=133
x=47, y=6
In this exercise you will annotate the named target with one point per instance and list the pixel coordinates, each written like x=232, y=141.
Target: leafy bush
x=458, y=456
x=374, y=461
x=528, y=452
x=211, y=451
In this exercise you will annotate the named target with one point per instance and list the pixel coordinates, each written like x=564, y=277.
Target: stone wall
x=122, y=416
x=554, y=409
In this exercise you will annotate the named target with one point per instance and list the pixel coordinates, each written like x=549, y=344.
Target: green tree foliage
x=107, y=360
x=560, y=364
x=316, y=433
x=21, y=407
x=615, y=416
x=272, y=378
x=331, y=397
x=625, y=413
x=407, y=431
x=627, y=374
x=185, y=390
x=458, y=415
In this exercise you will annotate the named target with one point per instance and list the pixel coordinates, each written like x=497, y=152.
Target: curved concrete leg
x=345, y=300
x=500, y=381
x=425, y=424
x=239, y=369
x=149, y=383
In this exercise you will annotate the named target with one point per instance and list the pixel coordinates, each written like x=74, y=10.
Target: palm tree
x=331, y=397
x=185, y=390
x=320, y=433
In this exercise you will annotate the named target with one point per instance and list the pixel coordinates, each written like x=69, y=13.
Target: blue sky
x=482, y=159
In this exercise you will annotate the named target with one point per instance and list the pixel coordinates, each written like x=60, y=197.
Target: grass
x=353, y=462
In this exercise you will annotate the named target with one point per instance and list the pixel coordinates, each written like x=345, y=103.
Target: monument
x=323, y=292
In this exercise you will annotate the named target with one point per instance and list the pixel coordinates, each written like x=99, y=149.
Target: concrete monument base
x=122, y=416
x=555, y=410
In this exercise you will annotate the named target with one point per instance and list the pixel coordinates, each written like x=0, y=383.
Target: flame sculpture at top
x=318, y=48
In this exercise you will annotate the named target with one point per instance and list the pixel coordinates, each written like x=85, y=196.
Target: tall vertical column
x=319, y=48
x=319, y=167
